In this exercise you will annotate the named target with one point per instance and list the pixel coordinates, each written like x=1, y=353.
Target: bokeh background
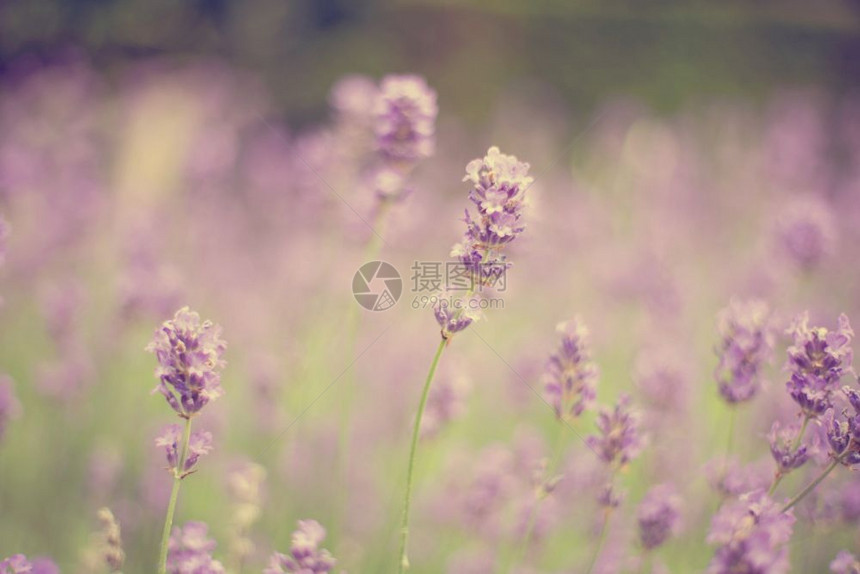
x=155, y=154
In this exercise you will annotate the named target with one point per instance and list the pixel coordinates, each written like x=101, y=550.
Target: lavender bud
x=658, y=516
x=751, y=535
x=571, y=375
x=199, y=444
x=817, y=361
x=190, y=550
x=405, y=119
x=746, y=345
x=781, y=442
x=618, y=441
x=111, y=546
x=189, y=353
x=305, y=555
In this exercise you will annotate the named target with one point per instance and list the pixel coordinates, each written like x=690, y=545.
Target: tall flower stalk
x=499, y=183
x=189, y=353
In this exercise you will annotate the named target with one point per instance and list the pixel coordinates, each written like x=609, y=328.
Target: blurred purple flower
x=658, y=516
x=17, y=564
x=751, y=535
x=845, y=563
x=454, y=313
x=781, y=448
x=305, y=556
x=405, y=119
x=618, y=441
x=190, y=551
x=817, y=360
x=571, y=374
x=200, y=444
x=746, y=345
x=731, y=479
x=806, y=232
x=189, y=354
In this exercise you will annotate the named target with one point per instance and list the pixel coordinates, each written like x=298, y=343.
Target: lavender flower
x=305, y=555
x=199, y=444
x=10, y=408
x=817, y=361
x=499, y=184
x=806, y=232
x=658, y=516
x=189, y=353
x=843, y=433
x=190, y=551
x=619, y=441
x=111, y=543
x=571, y=375
x=17, y=564
x=245, y=484
x=453, y=314
x=746, y=345
x=751, y=535
x=405, y=119
x=845, y=563
x=731, y=479
x=781, y=448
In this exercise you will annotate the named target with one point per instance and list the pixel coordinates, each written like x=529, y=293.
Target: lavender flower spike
x=817, y=361
x=782, y=448
x=746, y=345
x=405, y=119
x=571, y=375
x=200, y=444
x=305, y=556
x=189, y=353
x=751, y=535
x=191, y=551
x=111, y=549
x=618, y=441
x=658, y=516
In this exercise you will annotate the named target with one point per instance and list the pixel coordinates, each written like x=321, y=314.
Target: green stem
x=530, y=525
x=600, y=540
x=416, y=431
x=174, y=494
x=811, y=486
x=794, y=445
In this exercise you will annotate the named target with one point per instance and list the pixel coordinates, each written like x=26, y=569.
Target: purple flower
x=305, y=556
x=10, y=408
x=405, y=119
x=189, y=353
x=781, y=443
x=817, y=361
x=731, y=479
x=746, y=345
x=571, y=375
x=17, y=564
x=499, y=184
x=843, y=432
x=806, y=232
x=658, y=516
x=751, y=535
x=845, y=563
x=199, y=444
x=190, y=551
x=455, y=313
x=619, y=441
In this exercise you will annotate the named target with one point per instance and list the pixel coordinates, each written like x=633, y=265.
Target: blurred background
x=158, y=153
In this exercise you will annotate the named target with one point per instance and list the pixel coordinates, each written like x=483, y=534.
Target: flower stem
x=530, y=525
x=794, y=445
x=174, y=494
x=416, y=431
x=600, y=540
x=811, y=486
